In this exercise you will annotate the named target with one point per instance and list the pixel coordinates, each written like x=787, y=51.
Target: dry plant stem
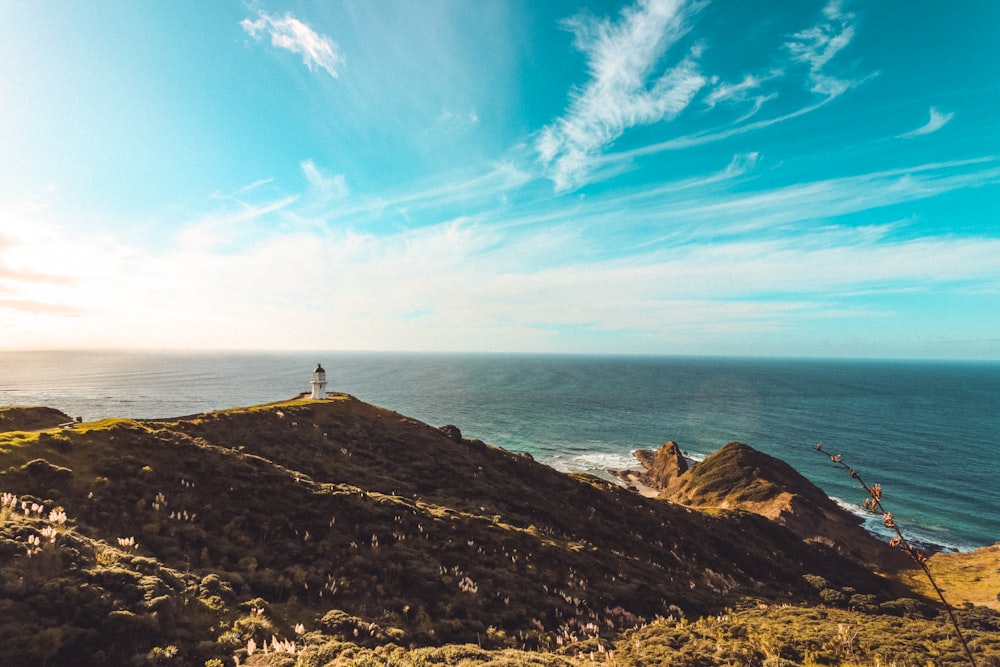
x=874, y=505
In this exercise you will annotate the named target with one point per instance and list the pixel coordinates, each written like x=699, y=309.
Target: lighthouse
x=318, y=383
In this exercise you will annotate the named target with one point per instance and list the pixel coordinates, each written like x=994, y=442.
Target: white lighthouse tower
x=318, y=383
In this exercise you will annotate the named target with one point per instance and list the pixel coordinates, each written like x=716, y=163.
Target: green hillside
x=366, y=537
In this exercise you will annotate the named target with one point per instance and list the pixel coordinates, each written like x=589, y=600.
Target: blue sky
x=661, y=177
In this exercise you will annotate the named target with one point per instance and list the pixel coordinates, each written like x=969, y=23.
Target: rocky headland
x=738, y=477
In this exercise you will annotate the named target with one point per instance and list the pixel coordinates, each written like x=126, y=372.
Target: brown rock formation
x=738, y=477
x=663, y=465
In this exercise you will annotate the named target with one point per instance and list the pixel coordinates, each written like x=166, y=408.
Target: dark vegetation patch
x=30, y=418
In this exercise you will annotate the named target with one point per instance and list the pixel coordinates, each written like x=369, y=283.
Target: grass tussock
x=797, y=635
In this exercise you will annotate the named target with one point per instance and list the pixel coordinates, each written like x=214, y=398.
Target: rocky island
x=334, y=532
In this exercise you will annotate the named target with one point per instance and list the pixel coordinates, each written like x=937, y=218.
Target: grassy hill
x=367, y=537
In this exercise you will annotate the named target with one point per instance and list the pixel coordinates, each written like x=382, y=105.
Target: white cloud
x=747, y=91
x=624, y=90
x=575, y=148
x=324, y=188
x=710, y=136
x=817, y=46
x=732, y=92
x=474, y=292
x=287, y=32
x=456, y=120
x=936, y=122
x=708, y=214
x=490, y=280
x=52, y=279
x=233, y=227
x=481, y=190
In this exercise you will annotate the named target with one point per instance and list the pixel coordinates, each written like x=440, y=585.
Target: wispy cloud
x=489, y=282
x=23, y=275
x=287, y=32
x=724, y=207
x=817, y=46
x=624, y=89
x=723, y=92
x=575, y=148
x=705, y=214
x=456, y=121
x=324, y=188
x=748, y=91
x=708, y=136
x=19, y=260
x=936, y=122
x=253, y=186
x=485, y=189
x=233, y=228
x=39, y=307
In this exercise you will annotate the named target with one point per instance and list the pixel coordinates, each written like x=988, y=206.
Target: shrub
x=832, y=596
x=816, y=581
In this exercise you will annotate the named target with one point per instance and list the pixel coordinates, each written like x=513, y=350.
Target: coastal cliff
x=341, y=526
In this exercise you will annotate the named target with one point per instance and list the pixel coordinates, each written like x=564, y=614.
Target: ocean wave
x=595, y=463
x=599, y=463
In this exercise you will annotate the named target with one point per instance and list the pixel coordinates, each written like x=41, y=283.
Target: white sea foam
x=597, y=463
x=853, y=508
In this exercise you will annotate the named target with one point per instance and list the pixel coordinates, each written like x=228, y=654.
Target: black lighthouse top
x=319, y=369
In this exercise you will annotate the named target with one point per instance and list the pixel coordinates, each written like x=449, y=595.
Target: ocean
x=928, y=432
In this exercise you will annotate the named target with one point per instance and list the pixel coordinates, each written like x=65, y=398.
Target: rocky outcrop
x=658, y=469
x=666, y=464
x=739, y=477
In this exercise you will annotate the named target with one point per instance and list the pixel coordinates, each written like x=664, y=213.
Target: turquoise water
x=927, y=431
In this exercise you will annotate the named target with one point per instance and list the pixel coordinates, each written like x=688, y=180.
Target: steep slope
x=971, y=577
x=209, y=531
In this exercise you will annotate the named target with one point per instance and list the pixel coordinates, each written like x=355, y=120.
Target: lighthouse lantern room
x=318, y=383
